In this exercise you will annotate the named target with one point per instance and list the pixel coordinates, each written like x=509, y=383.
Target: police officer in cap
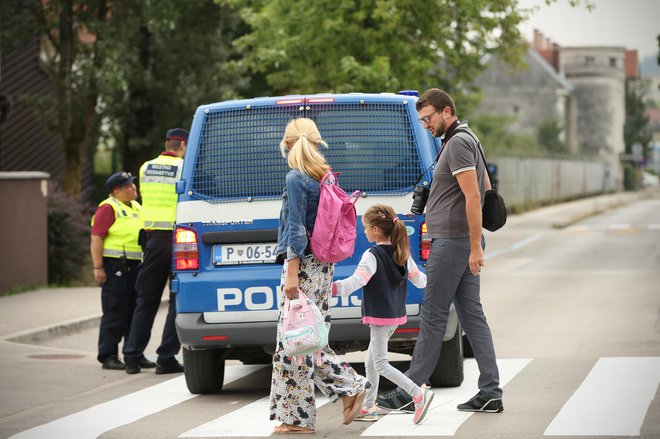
x=116, y=255
x=157, y=185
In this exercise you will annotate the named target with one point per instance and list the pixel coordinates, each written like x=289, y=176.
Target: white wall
x=523, y=181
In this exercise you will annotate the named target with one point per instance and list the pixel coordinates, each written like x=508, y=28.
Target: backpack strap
x=331, y=176
x=302, y=299
x=355, y=194
x=481, y=151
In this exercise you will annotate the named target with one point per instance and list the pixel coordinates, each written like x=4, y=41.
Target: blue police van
x=226, y=281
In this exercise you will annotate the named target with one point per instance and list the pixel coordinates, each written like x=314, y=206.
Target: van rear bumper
x=195, y=333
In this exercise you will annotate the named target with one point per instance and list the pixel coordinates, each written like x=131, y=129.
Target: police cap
x=118, y=179
x=177, y=134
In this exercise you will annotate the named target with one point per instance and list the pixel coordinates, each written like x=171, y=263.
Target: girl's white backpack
x=303, y=329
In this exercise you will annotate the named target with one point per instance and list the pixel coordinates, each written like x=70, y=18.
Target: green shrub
x=68, y=235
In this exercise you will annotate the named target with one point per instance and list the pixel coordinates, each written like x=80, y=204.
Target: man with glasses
x=159, y=197
x=453, y=218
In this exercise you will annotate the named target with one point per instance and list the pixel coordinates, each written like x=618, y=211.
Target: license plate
x=231, y=254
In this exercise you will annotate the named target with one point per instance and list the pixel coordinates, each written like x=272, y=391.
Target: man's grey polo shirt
x=445, y=209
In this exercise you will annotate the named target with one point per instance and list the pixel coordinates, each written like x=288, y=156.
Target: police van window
x=372, y=146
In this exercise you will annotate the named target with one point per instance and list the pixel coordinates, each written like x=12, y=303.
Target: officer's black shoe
x=395, y=399
x=113, y=363
x=169, y=367
x=132, y=369
x=482, y=403
x=146, y=364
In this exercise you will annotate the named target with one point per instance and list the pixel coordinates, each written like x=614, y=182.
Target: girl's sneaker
x=368, y=415
x=422, y=403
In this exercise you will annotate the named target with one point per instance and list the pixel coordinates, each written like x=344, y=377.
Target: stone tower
x=598, y=77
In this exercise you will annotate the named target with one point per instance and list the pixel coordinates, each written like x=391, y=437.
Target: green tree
x=71, y=35
x=168, y=58
x=378, y=45
x=634, y=130
x=497, y=140
x=126, y=71
x=548, y=136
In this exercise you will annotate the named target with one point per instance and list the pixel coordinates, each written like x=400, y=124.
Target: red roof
x=631, y=64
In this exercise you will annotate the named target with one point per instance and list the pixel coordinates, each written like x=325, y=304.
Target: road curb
x=43, y=333
x=602, y=204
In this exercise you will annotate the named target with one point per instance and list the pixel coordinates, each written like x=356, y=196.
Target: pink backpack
x=303, y=329
x=333, y=239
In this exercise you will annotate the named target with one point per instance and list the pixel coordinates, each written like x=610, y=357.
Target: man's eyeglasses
x=427, y=118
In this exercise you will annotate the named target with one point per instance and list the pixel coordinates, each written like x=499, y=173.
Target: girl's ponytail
x=384, y=217
x=400, y=242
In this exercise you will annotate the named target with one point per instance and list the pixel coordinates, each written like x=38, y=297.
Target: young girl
x=292, y=400
x=382, y=274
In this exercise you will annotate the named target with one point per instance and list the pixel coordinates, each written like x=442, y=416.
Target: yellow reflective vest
x=157, y=186
x=122, y=239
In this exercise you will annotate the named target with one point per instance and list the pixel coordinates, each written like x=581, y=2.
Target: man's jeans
x=449, y=279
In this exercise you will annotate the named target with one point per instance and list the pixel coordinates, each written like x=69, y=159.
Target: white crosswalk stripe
x=233, y=424
x=90, y=423
x=612, y=400
x=595, y=409
x=443, y=419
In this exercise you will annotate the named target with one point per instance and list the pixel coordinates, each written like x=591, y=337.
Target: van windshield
x=372, y=145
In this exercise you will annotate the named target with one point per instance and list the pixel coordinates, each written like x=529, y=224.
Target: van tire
x=449, y=369
x=204, y=370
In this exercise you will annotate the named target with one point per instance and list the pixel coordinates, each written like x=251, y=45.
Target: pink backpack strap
x=355, y=194
x=302, y=298
x=329, y=176
x=286, y=309
x=319, y=362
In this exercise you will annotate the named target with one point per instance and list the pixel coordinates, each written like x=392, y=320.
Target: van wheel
x=449, y=370
x=204, y=370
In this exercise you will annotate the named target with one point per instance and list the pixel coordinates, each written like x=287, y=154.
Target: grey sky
x=633, y=24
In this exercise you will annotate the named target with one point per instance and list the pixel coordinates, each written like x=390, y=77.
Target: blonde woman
x=292, y=399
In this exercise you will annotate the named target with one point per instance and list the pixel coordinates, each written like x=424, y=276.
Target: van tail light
x=406, y=330
x=214, y=337
x=424, y=242
x=185, y=252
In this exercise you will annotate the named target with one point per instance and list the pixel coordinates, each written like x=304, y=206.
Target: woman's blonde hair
x=302, y=140
x=384, y=217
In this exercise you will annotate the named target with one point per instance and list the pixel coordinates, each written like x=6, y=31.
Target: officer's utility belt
x=159, y=232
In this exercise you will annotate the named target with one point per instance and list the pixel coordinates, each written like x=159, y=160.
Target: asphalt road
x=574, y=314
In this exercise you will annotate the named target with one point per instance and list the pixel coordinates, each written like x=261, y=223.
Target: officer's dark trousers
x=118, y=303
x=154, y=273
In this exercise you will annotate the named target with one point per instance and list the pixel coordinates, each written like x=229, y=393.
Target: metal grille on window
x=371, y=144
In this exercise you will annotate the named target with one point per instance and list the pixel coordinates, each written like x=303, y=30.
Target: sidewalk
x=52, y=312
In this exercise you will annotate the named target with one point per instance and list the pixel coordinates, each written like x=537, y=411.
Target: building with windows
x=581, y=88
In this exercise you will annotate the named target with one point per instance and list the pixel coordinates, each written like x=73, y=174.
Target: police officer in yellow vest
x=157, y=185
x=116, y=255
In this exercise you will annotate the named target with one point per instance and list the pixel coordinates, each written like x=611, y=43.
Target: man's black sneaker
x=395, y=399
x=169, y=367
x=482, y=403
x=132, y=368
x=113, y=363
x=146, y=364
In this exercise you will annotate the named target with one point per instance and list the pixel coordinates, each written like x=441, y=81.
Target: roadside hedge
x=68, y=235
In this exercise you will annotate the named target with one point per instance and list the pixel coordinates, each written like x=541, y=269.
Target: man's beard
x=441, y=130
